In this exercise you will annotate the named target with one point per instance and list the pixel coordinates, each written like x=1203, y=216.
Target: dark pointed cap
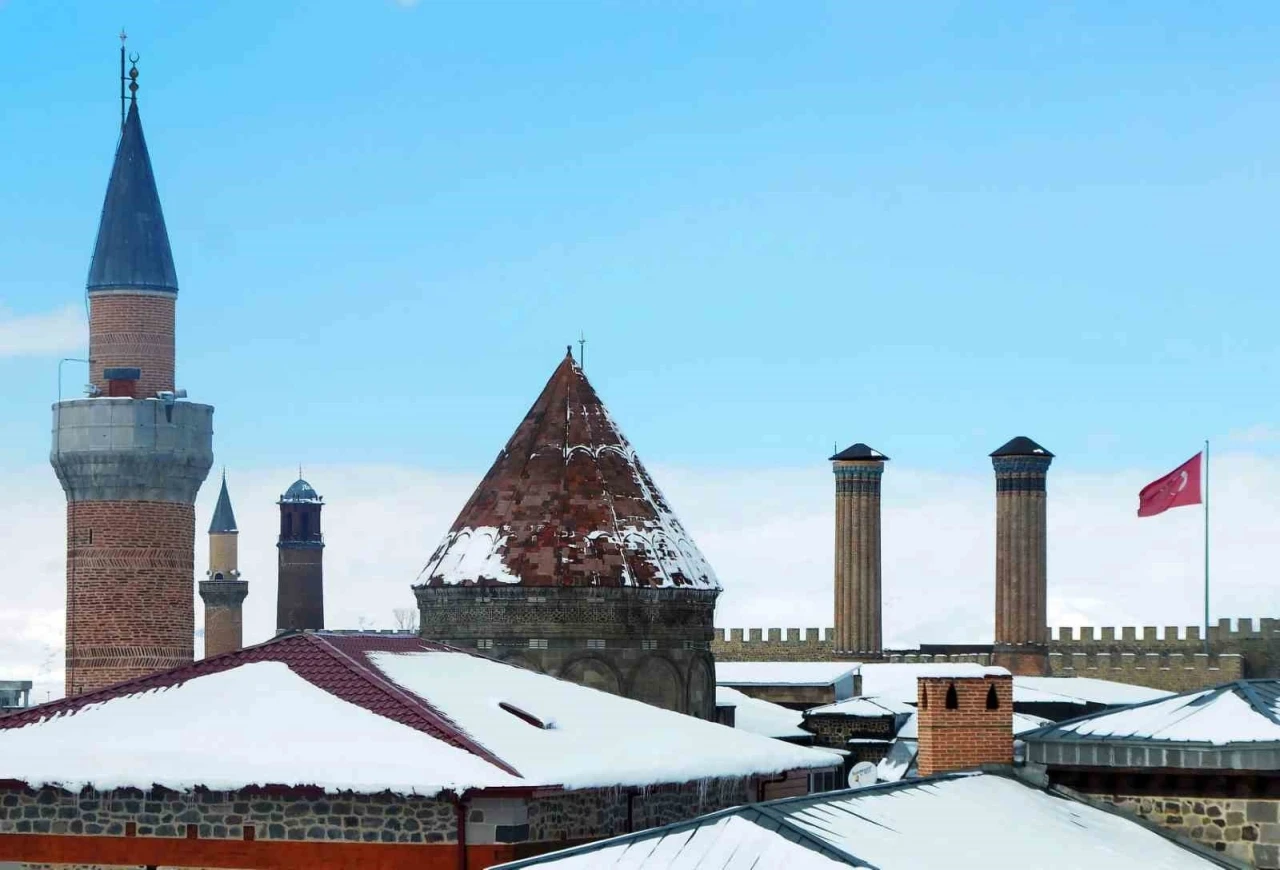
x=132, y=251
x=860, y=451
x=224, y=519
x=300, y=491
x=1022, y=446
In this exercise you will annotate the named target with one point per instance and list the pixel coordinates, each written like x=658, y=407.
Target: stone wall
x=604, y=812
x=1244, y=829
x=1174, y=672
x=229, y=816
x=648, y=644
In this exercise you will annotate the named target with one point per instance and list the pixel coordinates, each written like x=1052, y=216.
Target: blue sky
x=779, y=225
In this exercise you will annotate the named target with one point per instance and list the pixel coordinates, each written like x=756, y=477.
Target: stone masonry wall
x=130, y=579
x=603, y=812
x=128, y=330
x=1244, y=829
x=220, y=815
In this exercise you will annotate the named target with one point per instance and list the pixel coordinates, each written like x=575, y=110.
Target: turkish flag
x=1177, y=488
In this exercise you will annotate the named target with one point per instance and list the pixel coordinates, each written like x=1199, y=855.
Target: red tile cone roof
x=568, y=503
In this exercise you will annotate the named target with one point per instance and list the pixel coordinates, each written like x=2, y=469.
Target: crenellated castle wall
x=1171, y=658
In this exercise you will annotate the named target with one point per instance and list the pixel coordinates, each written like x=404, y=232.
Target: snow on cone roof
x=568, y=503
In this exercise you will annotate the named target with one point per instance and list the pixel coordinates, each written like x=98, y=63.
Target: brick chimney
x=964, y=722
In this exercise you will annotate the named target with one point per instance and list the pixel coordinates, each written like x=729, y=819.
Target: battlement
x=775, y=644
x=1223, y=637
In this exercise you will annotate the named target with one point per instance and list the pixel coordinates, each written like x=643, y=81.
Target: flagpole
x=1206, y=546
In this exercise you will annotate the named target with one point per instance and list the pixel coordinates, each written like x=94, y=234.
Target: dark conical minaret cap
x=224, y=519
x=132, y=251
x=1022, y=446
x=860, y=451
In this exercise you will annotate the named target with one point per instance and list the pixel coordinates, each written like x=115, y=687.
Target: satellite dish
x=863, y=773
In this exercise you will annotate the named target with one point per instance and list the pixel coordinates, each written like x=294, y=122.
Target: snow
x=761, y=717
x=863, y=707
x=897, y=681
x=730, y=842
x=473, y=554
x=599, y=739
x=1081, y=690
x=1213, y=716
x=784, y=673
x=978, y=821
x=1023, y=722
x=899, y=762
x=257, y=724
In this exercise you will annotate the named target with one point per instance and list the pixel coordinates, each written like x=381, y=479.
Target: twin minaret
x=223, y=593
x=1021, y=627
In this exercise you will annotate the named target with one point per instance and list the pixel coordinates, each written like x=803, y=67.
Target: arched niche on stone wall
x=594, y=673
x=520, y=660
x=657, y=681
x=702, y=688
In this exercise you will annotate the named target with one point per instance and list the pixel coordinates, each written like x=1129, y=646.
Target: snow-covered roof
x=368, y=712
x=862, y=707
x=1024, y=722
x=761, y=717
x=783, y=673
x=568, y=470
x=897, y=681
x=1245, y=711
x=984, y=820
x=1081, y=690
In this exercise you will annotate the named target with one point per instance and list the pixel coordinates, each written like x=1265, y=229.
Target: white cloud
x=1259, y=433
x=53, y=332
x=768, y=533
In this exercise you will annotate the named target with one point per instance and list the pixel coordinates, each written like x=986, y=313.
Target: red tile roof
x=568, y=503
x=333, y=661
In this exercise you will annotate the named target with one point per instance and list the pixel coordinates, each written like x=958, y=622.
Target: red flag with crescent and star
x=1177, y=488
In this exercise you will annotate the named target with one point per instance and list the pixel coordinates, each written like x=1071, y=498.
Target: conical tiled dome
x=568, y=503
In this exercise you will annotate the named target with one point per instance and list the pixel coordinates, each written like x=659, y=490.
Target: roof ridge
x=810, y=839
x=1107, y=711
x=165, y=679
x=414, y=703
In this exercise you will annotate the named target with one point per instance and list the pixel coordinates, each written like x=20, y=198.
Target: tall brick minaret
x=300, y=596
x=858, y=619
x=133, y=455
x=223, y=593
x=1022, y=632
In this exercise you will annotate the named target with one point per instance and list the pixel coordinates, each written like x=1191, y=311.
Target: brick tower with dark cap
x=223, y=592
x=1022, y=633
x=858, y=470
x=132, y=456
x=300, y=593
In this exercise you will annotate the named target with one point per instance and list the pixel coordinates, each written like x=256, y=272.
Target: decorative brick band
x=133, y=330
x=130, y=567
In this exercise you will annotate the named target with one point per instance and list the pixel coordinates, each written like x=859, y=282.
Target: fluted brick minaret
x=1021, y=552
x=858, y=619
x=223, y=593
x=300, y=576
x=132, y=457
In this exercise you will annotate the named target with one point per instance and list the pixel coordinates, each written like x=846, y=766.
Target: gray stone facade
x=652, y=645
x=1247, y=829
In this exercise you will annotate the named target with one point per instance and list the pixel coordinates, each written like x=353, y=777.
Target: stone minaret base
x=223, y=615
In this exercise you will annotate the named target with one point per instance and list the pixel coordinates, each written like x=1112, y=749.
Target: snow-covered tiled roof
x=761, y=717
x=862, y=707
x=568, y=503
x=957, y=821
x=371, y=712
x=783, y=673
x=1245, y=711
x=897, y=681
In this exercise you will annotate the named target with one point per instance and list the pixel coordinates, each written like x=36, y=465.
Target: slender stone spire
x=223, y=592
x=1021, y=466
x=858, y=620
